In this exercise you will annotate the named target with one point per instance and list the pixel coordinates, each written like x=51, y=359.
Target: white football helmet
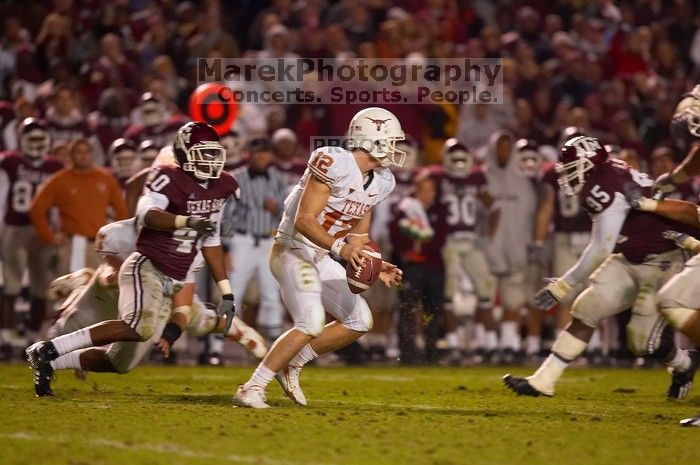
x=377, y=131
x=529, y=158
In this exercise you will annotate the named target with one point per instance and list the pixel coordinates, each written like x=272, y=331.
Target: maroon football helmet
x=457, y=158
x=198, y=150
x=123, y=158
x=578, y=155
x=152, y=109
x=529, y=158
x=34, y=138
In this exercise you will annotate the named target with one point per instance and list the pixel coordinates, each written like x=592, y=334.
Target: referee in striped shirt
x=253, y=219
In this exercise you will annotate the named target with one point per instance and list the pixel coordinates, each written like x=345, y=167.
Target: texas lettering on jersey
x=173, y=252
x=641, y=237
x=352, y=195
x=24, y=175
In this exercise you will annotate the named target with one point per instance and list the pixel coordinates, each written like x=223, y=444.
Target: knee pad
x=677, y=317
x=585, y=310
x=313, y=320
x=360, y=319
x=120, y=365
x=513, y=291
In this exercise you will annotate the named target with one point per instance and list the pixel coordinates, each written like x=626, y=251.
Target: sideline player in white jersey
x=92, y=297
x=327, y=215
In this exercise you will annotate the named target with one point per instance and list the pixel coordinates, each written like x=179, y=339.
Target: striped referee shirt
x=248, y=215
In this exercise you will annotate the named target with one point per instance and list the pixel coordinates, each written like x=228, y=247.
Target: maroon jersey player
x=21, y=247
x=180, y=213
x=462, y=189
x=155, y=125
x=631, y=259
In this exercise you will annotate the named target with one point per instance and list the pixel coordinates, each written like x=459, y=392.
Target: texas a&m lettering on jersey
x=641, y=237
x=172, y=252
x=24, y=175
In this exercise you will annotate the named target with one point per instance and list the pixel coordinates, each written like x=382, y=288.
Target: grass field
x=184, y=415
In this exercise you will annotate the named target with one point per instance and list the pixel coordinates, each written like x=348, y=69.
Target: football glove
x=682, y=240
x=637, y=200
x=227, y=309
x=667, y=183
x=553, y=293
x=203, y=226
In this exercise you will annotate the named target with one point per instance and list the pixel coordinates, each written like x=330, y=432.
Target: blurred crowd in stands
x=113, y=78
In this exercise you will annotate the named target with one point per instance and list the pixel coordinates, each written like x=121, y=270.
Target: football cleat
x=39, y=356
x=522, y=387
x=249, y=338
x=695, y=421
x=251, y=396
x=289, y=380
x=682, y=381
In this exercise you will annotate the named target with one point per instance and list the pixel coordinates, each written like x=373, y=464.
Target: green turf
x=182, y=415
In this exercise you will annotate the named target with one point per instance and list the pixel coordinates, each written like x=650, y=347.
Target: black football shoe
x=522, y=386
x=39, y=356
x=682, y=381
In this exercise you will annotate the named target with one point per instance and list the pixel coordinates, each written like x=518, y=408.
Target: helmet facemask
x=205, y=160
x=529, y=163
x=35, y=143
x=125, y=163
x=692, y=119
x=572, y=175
x=459, y=163
x=387, y=153
x=152, y=113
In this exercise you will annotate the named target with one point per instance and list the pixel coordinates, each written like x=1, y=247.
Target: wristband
x=647, y=205
x=171, y=333
x=678, y=176
x=181, y=221
x=337, y=247
x=225, y=287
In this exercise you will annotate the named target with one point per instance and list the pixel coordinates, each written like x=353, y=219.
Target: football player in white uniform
x=327, y=215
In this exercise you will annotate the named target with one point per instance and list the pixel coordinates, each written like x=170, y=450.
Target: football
x=361, y=279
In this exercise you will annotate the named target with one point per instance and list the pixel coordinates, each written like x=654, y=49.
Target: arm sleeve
x=43, y=200
x=148, y=201
x=606, y=229
x=214, y=240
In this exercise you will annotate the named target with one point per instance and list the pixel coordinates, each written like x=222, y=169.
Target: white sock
x=6, y=335
x=680, y=361
x=216, y=344
x=79, y=339
x=491, y=340
x=304, y=356
x=532, y=345
x=547, y=375
x=68, y=361
x=479, y=336
x=509, y=335
x=261, y=377
x=595, y=343
x=452, y=340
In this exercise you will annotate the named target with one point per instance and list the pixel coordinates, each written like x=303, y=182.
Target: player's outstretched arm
x=689, y=167
x=678, y=210
x=604, y=234
x=313, y=201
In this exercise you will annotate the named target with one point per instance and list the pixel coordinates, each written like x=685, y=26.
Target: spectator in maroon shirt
x=417, y=232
